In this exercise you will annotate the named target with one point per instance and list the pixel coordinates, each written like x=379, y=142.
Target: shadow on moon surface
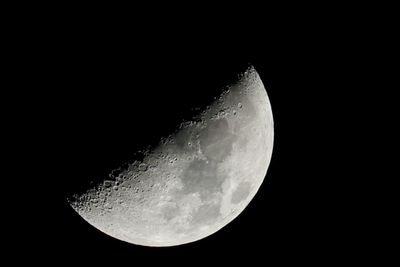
x=195, y=179
x=107, y=129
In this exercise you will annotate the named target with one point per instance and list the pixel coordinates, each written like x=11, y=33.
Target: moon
x=196, y=180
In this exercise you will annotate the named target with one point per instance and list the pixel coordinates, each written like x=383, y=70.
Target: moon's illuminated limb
x=197, y=180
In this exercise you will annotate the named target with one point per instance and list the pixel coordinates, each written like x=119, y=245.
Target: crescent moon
x=196, y=180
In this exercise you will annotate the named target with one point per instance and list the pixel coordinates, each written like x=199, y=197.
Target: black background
x=98, y=90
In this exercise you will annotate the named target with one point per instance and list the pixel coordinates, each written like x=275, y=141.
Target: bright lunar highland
x=196, y=181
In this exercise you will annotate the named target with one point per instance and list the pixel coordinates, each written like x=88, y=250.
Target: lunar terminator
x=196, y=181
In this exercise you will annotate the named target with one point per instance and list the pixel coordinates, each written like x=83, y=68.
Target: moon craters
x=196, y=180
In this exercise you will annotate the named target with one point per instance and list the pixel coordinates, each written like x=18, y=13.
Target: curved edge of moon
x=197, y=180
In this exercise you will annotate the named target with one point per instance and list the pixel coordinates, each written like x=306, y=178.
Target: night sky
x=100, y=93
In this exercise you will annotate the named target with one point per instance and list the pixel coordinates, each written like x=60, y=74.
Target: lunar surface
x=196, y=180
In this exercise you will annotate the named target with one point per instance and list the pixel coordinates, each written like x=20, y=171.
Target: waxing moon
x=196, y=180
